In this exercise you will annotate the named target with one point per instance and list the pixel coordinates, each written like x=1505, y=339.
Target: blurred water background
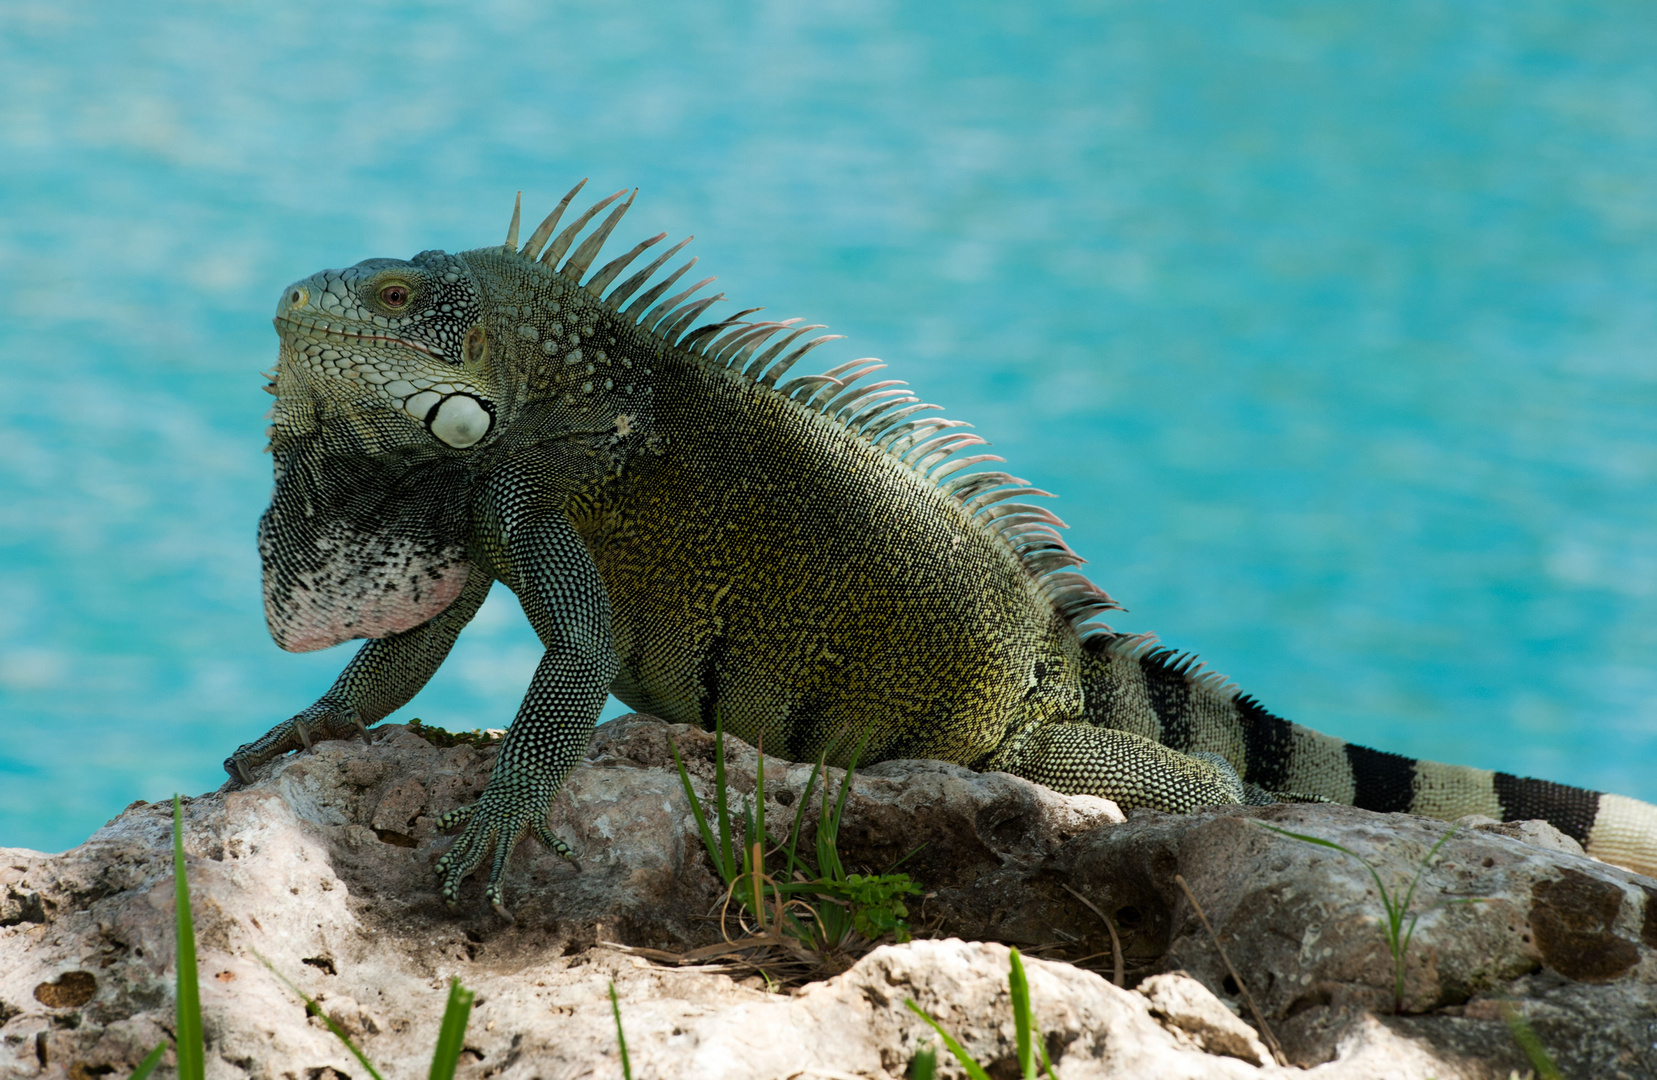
x=1331, y=323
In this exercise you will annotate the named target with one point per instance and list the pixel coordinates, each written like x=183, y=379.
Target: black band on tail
x=1268, y=744
x=1571, y=810
x=1381, y=781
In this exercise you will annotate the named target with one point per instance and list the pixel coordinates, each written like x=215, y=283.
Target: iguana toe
x=555, y=845
x=468, y=852
x=458, y=816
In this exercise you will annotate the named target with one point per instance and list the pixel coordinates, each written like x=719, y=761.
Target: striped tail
x=1134, y=685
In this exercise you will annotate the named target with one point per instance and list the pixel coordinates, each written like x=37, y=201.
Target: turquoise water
x=1331, y=323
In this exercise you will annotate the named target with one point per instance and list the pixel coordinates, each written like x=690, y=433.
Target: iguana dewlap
x=691, y=526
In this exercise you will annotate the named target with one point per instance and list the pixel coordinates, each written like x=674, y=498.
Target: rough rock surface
x=1186, y=1005
x=324, y=866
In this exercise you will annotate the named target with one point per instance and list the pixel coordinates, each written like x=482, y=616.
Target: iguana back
x=688, y=527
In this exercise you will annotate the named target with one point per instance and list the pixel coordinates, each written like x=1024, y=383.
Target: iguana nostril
x=460, y=420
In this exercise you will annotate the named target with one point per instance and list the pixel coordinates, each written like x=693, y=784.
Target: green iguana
x=694, y=531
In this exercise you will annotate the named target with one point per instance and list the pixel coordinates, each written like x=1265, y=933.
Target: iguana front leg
x=381, y=678
x=538, y=553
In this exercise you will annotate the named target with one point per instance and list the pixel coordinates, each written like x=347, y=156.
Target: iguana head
x=399, y=380
x=383, y=389
x=399, y=344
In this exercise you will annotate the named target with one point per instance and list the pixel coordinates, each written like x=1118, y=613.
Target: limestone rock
x=324, y=866
x=1184, y=1004
x=1570, y=937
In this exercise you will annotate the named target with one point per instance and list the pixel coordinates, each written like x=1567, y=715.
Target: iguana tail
x=1131, y=684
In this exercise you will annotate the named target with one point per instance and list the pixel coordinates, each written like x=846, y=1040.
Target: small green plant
x=1026, y=1038
x=877, y=904
x=621, y=1036
x=1530, y=1043
x=1399, y=924
x=811, y=909
x=444, y=738
x=312, y=1008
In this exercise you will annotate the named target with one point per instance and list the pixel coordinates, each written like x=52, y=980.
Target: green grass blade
x=795, y=864
x=1398, y=933
x=721, y=808
x=1394, y=914
x=1318, y=840
x=192, y=1050
x=1409, y=935
x=912, y=853
x=1019, y=987
x=846, y=783
x=315, y=1010
x=974, y=1070
x=451, y=1037
x=151, y=1060
x=621, y=1037
x=924, y=1065
x=828, y=858
x=708, y=841
x=828, y=824
x=1530, y=1043
x=759, y=797
x=1426, y=864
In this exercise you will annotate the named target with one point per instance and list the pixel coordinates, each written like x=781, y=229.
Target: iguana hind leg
x=1128, y=769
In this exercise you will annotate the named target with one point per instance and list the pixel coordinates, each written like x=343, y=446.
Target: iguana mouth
x=340, y=333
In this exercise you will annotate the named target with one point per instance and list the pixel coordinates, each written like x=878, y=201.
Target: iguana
x=693, y=530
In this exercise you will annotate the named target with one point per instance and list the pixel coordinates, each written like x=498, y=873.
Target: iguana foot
x=1127, y=768
x=510, y=809
x=325, y=720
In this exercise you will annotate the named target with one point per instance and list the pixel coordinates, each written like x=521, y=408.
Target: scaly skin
x=807, y=559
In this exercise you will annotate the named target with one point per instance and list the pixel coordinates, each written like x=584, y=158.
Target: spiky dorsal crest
x=1146, y=650
x=884, y=413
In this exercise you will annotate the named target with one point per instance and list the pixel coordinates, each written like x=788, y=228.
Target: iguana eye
x=394, y=296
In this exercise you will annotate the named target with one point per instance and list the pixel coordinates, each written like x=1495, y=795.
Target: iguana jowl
x=692, y=530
